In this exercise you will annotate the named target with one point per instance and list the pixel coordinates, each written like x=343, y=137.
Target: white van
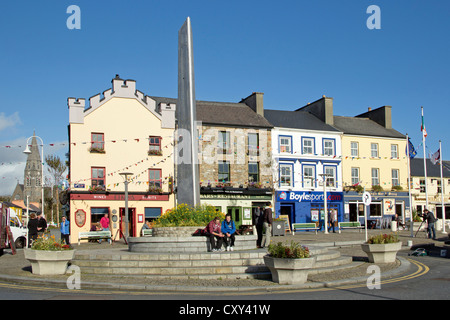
x=18, y=230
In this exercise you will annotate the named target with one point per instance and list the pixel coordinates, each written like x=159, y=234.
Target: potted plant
x=289, y=264
x=48, y=256
x=382, y=248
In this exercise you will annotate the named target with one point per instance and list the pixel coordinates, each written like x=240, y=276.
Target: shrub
x=292, y=251
x=184, y=216
x=383, y=239
x=49, y=244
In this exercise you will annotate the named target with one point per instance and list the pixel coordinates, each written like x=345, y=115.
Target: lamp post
x=125, y=176
x=28, y=151
x=324, y=177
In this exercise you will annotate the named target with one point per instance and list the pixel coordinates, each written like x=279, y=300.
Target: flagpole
x=409, y=189
x=442, y=188
x=425, y=162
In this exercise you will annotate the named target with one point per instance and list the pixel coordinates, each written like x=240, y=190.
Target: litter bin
x=278, y=228
x=394, y=226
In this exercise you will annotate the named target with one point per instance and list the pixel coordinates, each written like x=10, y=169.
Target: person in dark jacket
x=32, y=229
x=267, y=225
x=42, y=224
x=228, y=229
x=258, y=214
x=431, y=219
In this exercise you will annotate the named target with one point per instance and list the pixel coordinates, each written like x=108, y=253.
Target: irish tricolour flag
x=422, y=128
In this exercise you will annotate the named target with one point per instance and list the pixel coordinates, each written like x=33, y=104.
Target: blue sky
x=293, y=51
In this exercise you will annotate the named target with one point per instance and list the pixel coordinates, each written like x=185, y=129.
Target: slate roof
x=433, y=170
x=364, y=127
x=296, y=120
x=224, y=113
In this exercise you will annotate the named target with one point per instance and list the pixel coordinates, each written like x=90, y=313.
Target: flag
x=422, y=128
x=435, y=156
x=412, y=150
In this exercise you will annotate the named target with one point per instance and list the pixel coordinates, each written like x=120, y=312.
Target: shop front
x=241, y=203
x=308, y=206
x=380, y=212
x=87, y=209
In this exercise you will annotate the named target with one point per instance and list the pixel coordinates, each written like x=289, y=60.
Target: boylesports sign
x=308, y=196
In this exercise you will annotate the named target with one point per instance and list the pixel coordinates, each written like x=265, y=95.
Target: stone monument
x=187, y=171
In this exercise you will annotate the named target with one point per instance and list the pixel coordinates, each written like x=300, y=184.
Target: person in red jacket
x=214, y=232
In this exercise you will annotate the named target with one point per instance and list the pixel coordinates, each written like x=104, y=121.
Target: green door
x=236, y=215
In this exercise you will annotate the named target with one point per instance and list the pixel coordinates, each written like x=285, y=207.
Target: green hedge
x=185, y=216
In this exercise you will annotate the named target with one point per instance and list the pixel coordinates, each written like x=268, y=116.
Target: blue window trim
x=292, y=174
x=335, y=171
x=315, y=174
x=323, y=145
x=279, y=143
x=314, y=145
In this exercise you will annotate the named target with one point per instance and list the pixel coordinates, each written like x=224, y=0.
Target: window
x=307, y=146
x=331, y=179
x=374, y=150
x=439, y=189
x=354, y=149
x=422, y=186
x=224, y=142
x=309, y=175
x=355, y=176
x=394, y=151
x=395, y=178
x=224, y=171
x=375, y=177
x=286, y=175
x=285, y=144
x=253, y=172
x=253, y=144
x=154, y=178
x=97, y=177
x=328, y=147
x=154, y=146
x=97, y=141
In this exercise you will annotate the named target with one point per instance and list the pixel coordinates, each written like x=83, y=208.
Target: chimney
x=382, y=116
x=76, y=110
x=256, y=102
x=322, y=109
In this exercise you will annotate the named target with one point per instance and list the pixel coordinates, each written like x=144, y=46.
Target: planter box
x=49, y=262
x=382, y=253
x=289, y=271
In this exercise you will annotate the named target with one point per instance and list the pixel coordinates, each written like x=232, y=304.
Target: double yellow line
x=422, y=269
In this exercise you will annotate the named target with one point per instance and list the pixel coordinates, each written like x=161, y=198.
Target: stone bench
x=184, y=244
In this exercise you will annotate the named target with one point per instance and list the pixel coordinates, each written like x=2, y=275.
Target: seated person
x=213, y=231
x=229, y=230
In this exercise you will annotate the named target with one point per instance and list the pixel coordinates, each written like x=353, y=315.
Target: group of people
x=37, y=226
x=224, y=233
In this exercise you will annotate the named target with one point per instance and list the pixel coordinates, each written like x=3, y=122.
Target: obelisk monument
x=187, y=172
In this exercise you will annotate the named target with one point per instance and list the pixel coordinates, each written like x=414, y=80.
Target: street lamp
x=324, y=177
x=27, y=151
x=125, y=176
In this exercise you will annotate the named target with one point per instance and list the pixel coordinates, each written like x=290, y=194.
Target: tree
x=56, y=167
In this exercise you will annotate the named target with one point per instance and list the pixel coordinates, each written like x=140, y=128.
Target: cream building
x=374, y=157
x=121, y=130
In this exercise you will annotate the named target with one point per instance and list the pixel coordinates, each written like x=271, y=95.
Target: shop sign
x=308, y=196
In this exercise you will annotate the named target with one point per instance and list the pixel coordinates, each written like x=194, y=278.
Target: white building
x=305, y=145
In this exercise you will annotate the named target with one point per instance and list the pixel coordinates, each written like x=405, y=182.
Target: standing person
x=332, y=219
x=65, y=230
x=104, y=223
x=42, y=224
x=258, y=222
x=32, y=228
x=267, y=225
x=431, y=219
x=229, y=229
x=214, y=232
